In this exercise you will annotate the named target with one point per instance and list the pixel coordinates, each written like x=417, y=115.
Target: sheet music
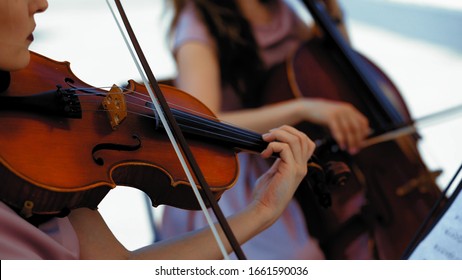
x=444, y=241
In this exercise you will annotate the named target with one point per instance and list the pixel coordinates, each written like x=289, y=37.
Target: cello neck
x=383, y=113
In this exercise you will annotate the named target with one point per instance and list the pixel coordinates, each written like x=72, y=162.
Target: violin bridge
x=115, y=106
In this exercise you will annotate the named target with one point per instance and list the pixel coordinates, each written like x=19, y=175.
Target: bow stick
x=176, y=137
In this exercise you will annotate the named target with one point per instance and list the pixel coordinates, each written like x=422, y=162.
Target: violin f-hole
x=114, y=147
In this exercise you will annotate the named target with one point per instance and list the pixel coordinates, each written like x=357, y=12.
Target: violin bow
x=176, y=137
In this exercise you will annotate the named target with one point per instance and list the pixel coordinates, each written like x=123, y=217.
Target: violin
x=73, y=143
x=391, y=191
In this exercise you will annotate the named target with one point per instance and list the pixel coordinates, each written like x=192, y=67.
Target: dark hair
x=240, y=64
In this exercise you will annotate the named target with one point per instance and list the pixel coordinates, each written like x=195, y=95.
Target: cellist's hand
x=276, y=187
x=347, y=125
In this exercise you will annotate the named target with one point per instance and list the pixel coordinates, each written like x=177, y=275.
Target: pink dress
x=288, y=237
x=20, y=240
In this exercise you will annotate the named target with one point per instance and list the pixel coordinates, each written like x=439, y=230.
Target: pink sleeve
x=55, y=239
x=191, y=28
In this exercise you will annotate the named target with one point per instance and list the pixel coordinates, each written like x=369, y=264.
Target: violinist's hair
x=240, y=64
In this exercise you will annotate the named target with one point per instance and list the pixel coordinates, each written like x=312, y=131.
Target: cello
x=391, y=191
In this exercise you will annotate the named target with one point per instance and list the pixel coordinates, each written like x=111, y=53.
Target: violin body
x=55, y=162
x=66, y=144
x=390, y=192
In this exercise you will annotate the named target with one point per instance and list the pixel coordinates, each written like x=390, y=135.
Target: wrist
x=308, y=109
x=300, y=107
x=262, y=217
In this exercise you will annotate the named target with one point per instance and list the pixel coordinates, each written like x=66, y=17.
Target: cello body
x=391, y=191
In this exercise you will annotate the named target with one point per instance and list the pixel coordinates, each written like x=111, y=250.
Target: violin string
x=212, y=122
x=387, y=136
x=144, y=98
x=208, y=128
x=201, y=125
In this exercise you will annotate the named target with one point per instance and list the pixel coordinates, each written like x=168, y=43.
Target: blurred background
x=417, y=43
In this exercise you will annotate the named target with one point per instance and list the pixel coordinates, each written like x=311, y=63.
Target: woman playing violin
x=222, y=50
x=83, y=234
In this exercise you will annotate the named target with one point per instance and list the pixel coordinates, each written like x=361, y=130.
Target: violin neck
x=213, y=131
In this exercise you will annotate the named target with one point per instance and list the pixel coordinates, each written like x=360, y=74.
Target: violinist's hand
x=348, y=126
x=276, y=187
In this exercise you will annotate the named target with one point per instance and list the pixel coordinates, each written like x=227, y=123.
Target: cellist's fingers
x=354, y=129
x=348, y=126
